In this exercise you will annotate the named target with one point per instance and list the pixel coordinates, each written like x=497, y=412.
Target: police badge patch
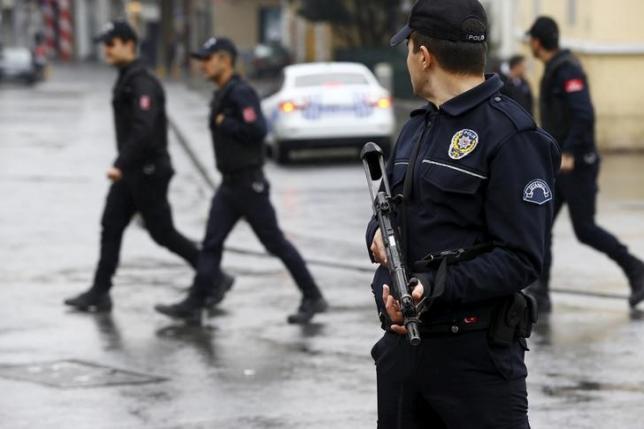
x=537, y=192
x=463, y=143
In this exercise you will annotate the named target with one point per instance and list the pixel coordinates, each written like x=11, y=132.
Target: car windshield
x=16, y=56
x=324, y=79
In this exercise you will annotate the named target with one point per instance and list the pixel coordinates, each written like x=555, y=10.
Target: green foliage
x=360, y=23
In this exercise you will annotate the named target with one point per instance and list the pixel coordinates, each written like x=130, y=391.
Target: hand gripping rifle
x=383, y=208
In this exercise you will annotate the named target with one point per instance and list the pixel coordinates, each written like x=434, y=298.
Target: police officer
x=142, y=170
x=476, y=178
x=238, y=129
x=515, y=84
x=567, y=113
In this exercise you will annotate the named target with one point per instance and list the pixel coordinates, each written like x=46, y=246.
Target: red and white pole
x=49, y=26
x=65, y=30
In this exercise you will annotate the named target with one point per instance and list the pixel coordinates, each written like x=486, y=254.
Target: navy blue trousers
x=450, y=382
x=147, y=195
x=579, y=190
x=247, y=199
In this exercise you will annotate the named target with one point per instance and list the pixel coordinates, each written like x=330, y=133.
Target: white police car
x=327, y=105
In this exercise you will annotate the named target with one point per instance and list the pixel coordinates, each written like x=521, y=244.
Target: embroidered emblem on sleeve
x=145, y=102
x=537, y=192
x=249, y=115
x=463, y=143
x=574, y=85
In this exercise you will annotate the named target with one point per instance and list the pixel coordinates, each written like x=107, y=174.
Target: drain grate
x=70, y=374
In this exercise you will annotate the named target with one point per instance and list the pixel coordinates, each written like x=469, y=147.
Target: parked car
x=326, y=105
x=18, y=64
x=268, y=60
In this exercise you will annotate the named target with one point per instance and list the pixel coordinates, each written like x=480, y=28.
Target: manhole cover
x=72, y=373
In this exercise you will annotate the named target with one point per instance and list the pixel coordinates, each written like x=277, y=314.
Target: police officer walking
x=141, y=173
x=476, y=178
x=238, y=129
x=567, y=113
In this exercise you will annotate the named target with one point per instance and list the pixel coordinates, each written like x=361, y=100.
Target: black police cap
x=544, y=29
x=454, y=20
x=212, y=45
x=117, y=28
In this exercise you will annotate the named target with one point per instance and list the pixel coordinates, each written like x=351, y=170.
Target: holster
x=513, y=319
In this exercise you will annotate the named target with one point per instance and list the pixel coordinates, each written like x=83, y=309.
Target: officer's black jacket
x=495, y=194
x=239, y=139
x=140, y=119
x=518, y=90
x=565, y=106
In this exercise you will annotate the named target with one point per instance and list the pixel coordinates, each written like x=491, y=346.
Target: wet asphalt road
x=247, y=368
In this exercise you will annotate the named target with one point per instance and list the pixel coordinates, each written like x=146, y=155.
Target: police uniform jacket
x=140, y=120
x=239, y=139
x=565, y=106
x=484, y=173
x=519, y=90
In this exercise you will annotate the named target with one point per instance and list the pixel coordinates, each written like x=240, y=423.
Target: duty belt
x=245, y=174
x=475, y=320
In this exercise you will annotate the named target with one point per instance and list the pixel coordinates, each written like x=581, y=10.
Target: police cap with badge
x=453, y=20
x=118, y=28
x=544, y=29
x=214, y=45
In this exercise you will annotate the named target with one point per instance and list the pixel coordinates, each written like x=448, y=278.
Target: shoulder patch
x=537, y=192
x=145, y=102
x=574, y=85
x=249, y=114
x=521, y=119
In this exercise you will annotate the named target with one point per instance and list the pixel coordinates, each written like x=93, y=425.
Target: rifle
x=383, y=208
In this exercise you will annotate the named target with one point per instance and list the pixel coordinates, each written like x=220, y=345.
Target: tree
x=360, y=23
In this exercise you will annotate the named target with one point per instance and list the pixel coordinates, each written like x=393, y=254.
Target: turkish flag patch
x=145, y=102
x=574, y=85
x=249, y=114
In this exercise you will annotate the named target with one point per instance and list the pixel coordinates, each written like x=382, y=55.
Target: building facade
x=608, y=38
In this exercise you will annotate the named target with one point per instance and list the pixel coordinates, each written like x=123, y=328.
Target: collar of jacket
x=467, y=100
x=562, y=53
x=562, y=57
x=131, y=67
x=233, y=80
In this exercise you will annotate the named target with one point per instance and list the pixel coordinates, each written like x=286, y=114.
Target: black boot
x=307, y=309
x=539, y=291
x=219, y=290
x=189, y=310
x=634, y=271
x=91, y=301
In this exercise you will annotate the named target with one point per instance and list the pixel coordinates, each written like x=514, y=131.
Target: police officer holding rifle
x=472, y=181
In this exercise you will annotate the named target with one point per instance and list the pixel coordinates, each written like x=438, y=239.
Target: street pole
x=1, y=26
x=167, y=35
